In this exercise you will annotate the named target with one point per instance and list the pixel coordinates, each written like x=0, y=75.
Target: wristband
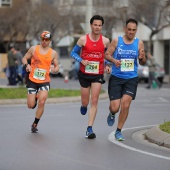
x=26, y=65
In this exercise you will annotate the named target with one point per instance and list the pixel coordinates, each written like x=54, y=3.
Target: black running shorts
x=118, y=87
x=33, y=88
x=87, y=79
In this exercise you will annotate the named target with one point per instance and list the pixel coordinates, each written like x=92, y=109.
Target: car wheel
x=60, y=75
x=52, y=75
x=146, y=80
x=160, y=79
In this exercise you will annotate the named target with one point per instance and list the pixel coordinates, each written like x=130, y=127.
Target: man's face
x=13, y=50
x=130, y=30
x=96, y=27
x=45, y=42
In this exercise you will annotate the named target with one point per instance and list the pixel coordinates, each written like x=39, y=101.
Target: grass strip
x=21, y=93
x=165, y=127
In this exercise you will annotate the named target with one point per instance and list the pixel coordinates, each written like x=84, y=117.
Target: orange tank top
x=40, y=66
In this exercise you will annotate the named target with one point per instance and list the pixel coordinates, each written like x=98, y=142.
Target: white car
x=60, y=73
x=143, y=73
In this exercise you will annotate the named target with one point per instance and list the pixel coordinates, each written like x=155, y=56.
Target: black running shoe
x=34, y=128
x=90, y=134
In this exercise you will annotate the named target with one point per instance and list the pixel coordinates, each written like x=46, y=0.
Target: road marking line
x=113, y=140
x=162, y=99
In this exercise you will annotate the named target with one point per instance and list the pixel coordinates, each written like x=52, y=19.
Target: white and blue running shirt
x=128, y=54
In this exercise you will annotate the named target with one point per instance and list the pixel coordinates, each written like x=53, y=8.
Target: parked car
x=143, y=73
x=60, y=73
x=74, y=70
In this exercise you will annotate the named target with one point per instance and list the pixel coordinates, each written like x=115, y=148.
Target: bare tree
x=45, y=16
x=30, y=20
x=13, y=21
x=152, y=13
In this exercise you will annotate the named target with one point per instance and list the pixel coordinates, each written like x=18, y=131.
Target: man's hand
x=142, y=58
x=85, y=62
x=28, y=68
x=141, y=54
x=54, y=69
x=108, y=69
x=117, y=63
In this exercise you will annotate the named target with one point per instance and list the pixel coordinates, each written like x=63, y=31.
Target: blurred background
x=22, y=21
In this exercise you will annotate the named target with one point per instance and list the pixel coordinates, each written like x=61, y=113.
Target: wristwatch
x=26, y=65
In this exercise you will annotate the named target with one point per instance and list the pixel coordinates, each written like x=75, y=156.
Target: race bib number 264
x=93, y=67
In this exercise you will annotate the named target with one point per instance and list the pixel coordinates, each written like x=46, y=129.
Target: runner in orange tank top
x=38, y=85
x=91, y=47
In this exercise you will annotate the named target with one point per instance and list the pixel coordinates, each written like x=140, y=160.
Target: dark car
x=143, y=73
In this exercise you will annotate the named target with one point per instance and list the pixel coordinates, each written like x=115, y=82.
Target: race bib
x=127, y=64
x=39, y=74
x=93, y=67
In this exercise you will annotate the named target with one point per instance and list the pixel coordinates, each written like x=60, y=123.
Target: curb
x=157, y=136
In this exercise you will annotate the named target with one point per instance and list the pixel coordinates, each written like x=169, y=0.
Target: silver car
x=60, y=73
x=143, y=73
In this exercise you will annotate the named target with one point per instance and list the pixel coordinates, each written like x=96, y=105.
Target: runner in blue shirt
x=123, y=52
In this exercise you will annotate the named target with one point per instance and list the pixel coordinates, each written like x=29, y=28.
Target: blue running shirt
x=128, y=54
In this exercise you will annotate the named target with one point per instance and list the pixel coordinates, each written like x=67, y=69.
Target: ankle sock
x=119, y=130
x=112, y=114
x=36, y=121
x=89, y=128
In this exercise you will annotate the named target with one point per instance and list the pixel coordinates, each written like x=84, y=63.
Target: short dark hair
x=131, y=20
x=97, y=17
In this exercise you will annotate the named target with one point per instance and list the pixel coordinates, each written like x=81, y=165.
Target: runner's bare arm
x=110, y=51
x=81, y=41
x=141, y=57
x=55, y=61
x=106, y=42
x=28, y=56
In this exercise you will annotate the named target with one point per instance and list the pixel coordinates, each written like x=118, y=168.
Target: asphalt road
x=60, y=143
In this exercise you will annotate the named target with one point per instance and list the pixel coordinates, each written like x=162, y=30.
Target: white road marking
x=162, y=99
x=112, y=139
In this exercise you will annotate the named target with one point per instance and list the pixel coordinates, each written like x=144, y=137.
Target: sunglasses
x=45, y=39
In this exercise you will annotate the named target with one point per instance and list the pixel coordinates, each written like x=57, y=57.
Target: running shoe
x=35, y=102
x=111, y=119
x=90, y=134
x=83, y=110
x=119, y=136
x=34, y=128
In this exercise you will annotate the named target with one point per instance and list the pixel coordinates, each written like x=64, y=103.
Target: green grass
x=21, y=93
x=165, y=127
